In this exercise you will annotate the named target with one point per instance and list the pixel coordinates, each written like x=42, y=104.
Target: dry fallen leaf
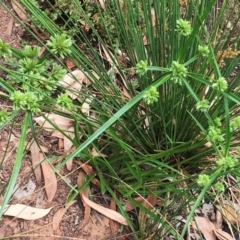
x=150, y=202
x=36, y=158
x=102, y=4
x=106, y=211
x=129, y=205
x=10, y=26
x=89, y=171
x=153, y=16
x=221, y=235
x=114, y=226
x=87, y=81
x=19, y=9
x=42, y=50
x=229, y=214
x=206, y=227
x=57, y=218
x=69, y=64
x=219, y=220
x=96, y=153
x=15, y=141
x=86, y=105
x=86, y=168
x=67, y=146
x=62, y=122
x=73, y=81
x=26, y=212
x=57, y=134
x=83, y=193
x=50, y=180
x=60, y=144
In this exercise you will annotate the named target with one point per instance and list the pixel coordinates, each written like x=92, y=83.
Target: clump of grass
x=170, y=130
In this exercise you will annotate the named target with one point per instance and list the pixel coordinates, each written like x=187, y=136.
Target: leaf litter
x=50, y=180
x=229, y=213
x=25, y=212
x=83, y=194
x=36, y=158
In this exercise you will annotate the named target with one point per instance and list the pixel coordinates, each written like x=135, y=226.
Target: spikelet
x=228, y=53
x=183, y=3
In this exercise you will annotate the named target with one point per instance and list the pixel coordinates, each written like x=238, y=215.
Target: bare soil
x=98, y=227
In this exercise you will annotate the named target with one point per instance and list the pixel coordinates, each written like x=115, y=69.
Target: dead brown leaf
x=221, y=235
x=42, y=50
x=86, y=105
x=102, y=4
x=129, y=205
x=50, y=180
x=86, y=168
x=73, y=82
x=57, y=218
x=68, y=145
x=206, y=227
x=19, y=9
x=89, y=171
x=219, y=220
x=95, y=182
x=86, y=80
x=114, y=226
x=62, y=122
x=57, y=134
x=83, y=194
x=10, y=26
x=36, y=158
x=106, y=211
x=60, y=144
x=15, y=141
x=69, y=64
x=229, y=214
x=25, y=212
x=150, y=202
x=96, y=153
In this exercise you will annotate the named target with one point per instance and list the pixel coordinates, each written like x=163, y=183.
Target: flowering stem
x=228, y=133
x=199, y=199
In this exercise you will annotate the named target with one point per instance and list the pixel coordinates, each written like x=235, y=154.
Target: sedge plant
x=165, y=101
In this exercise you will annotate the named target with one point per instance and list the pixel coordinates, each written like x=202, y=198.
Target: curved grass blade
x=17, y=164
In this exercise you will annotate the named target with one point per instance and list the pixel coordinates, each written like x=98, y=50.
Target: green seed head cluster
x=220, y=84
x=204, y=50
x=227, y=162
x=184, y=27
x=141, y=67
x=214, y=134
x=178, y=72
x=203, y=180
x=64, y=101
x=60, y=44
x=217, y=121
x=151, y=95
x=30, y=52
x=219, y=187
x=29, y=65
x=203, y=105
x=3, y=116
x=25, y=101
x=235, y=123
x=5, y=50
